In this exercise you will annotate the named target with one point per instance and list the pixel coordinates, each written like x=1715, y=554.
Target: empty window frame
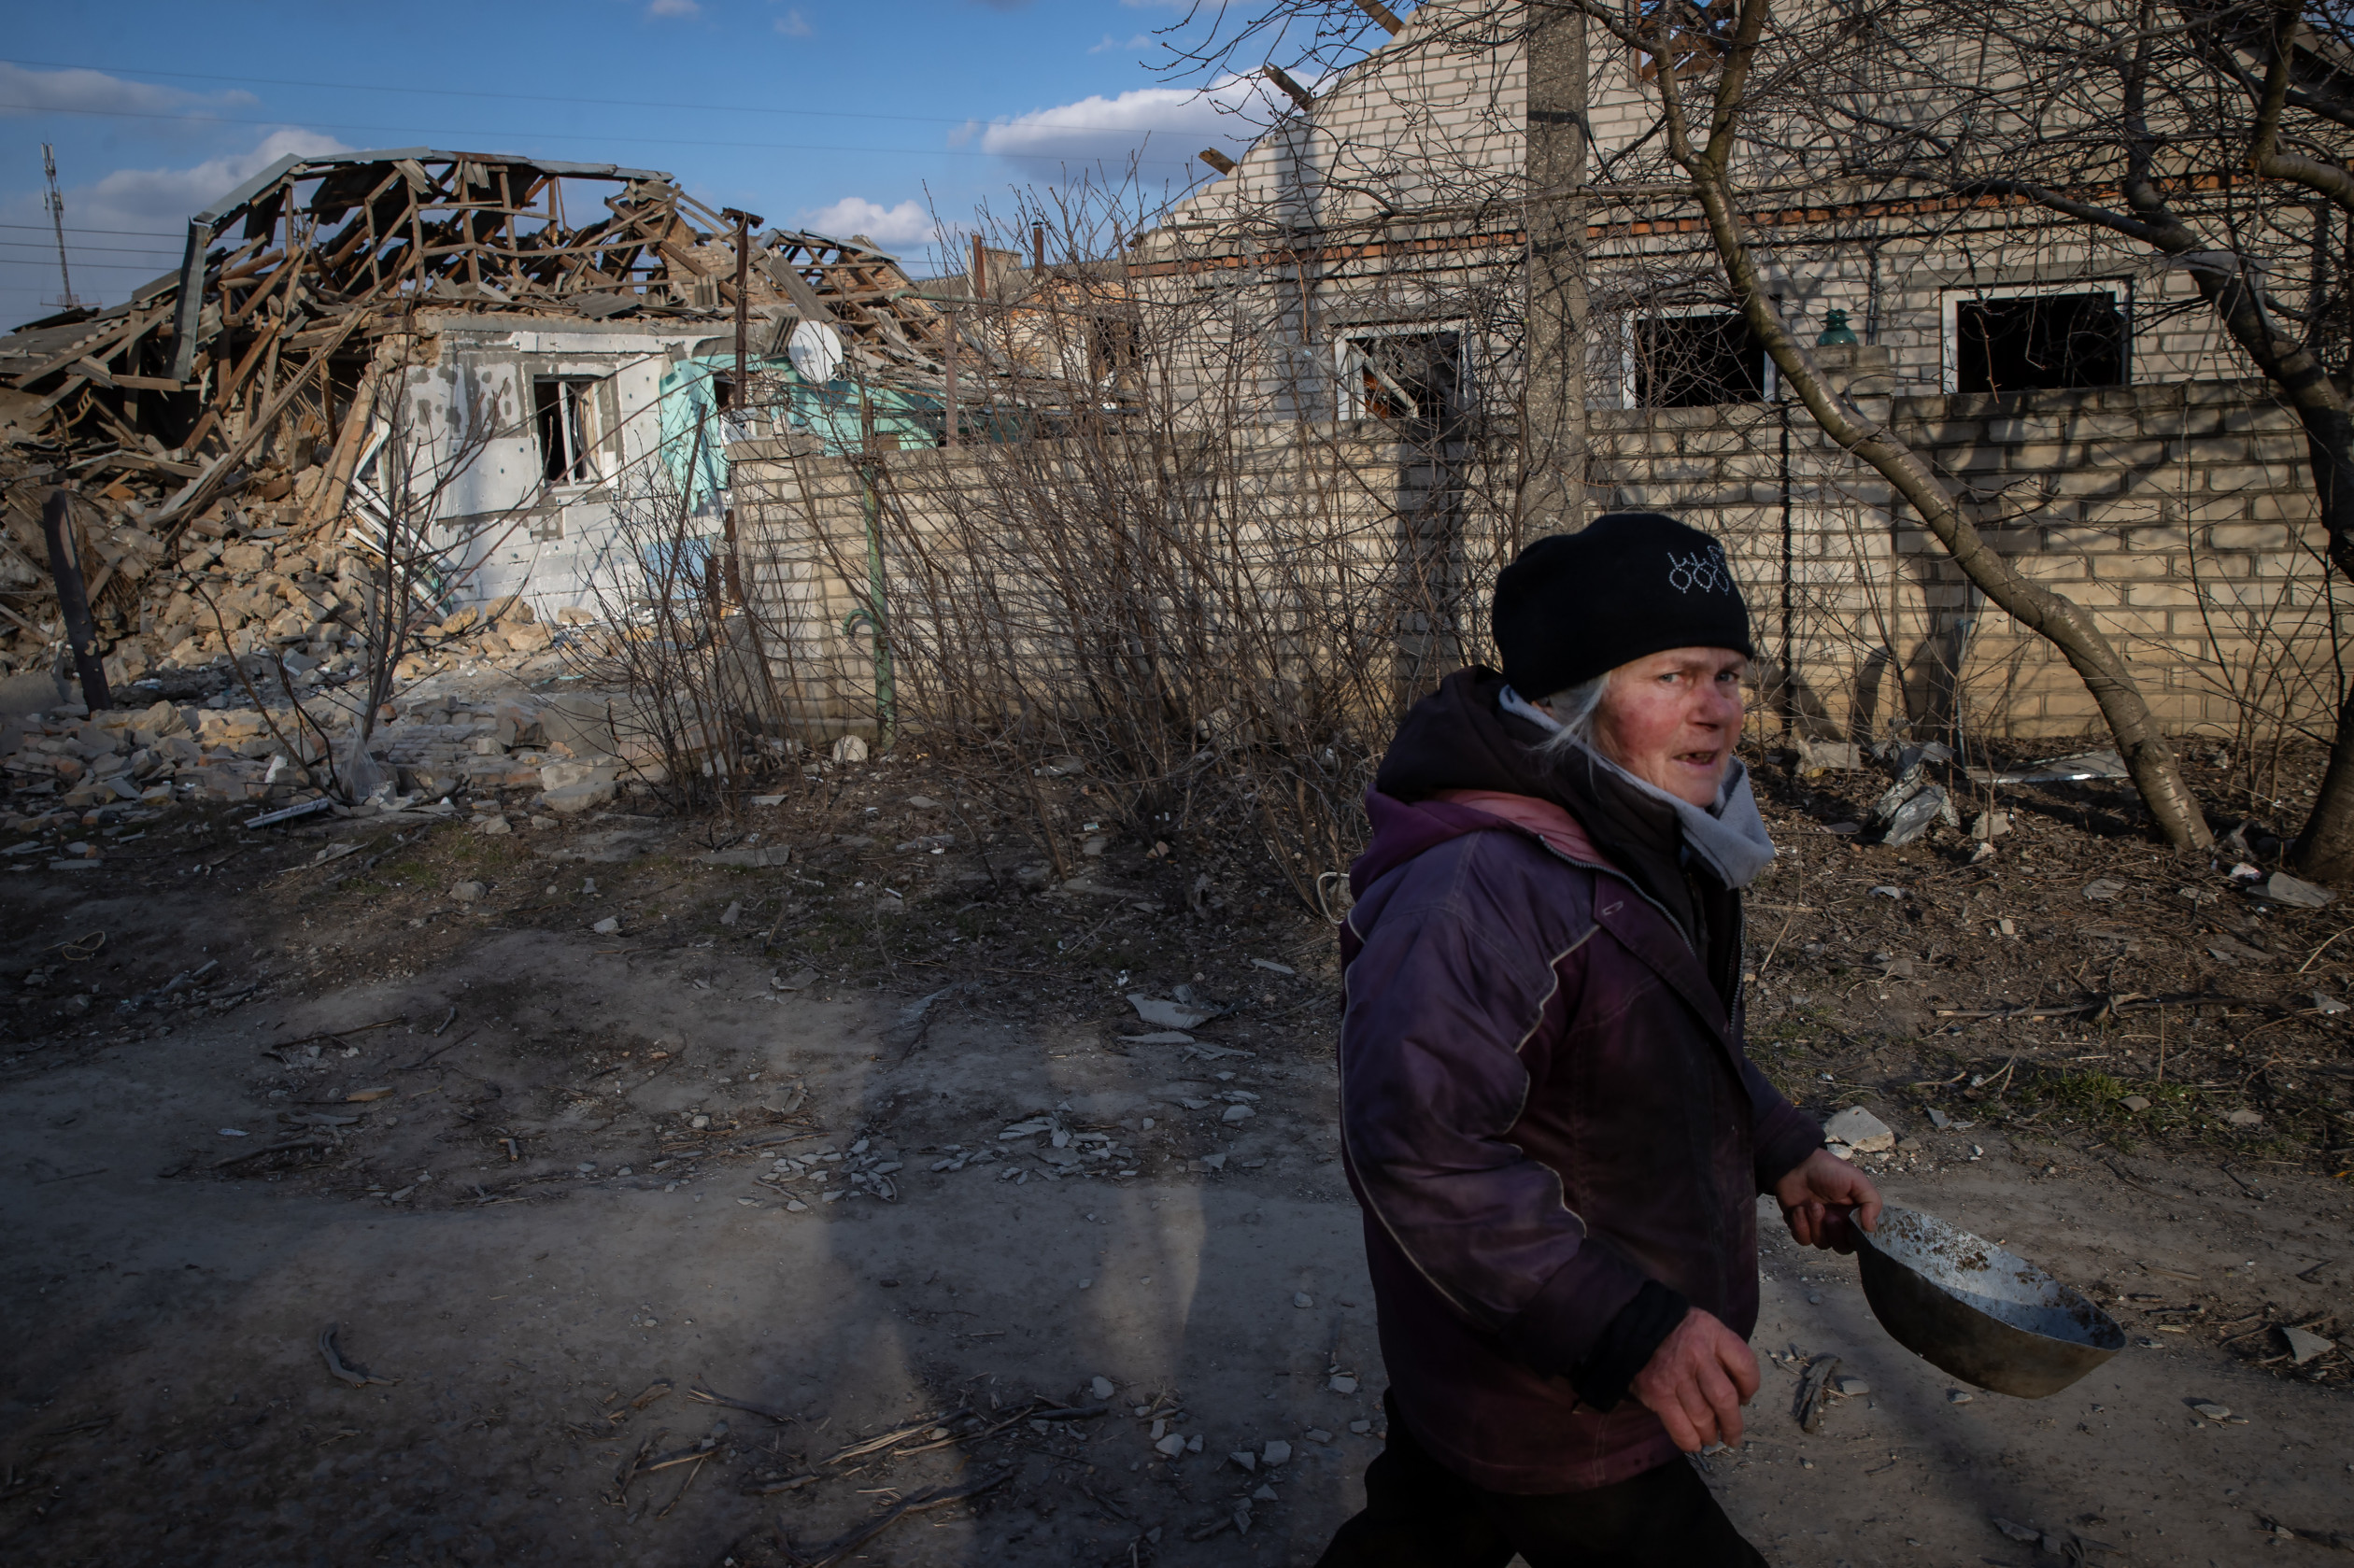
x=1696, y=360
x=1413, y=373
x=565, y=412
x=2044, y=340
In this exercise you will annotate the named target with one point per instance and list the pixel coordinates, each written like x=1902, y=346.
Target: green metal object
x=1836, y=333
x=886, y=700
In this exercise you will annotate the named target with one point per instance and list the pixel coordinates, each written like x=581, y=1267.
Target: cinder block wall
x=1302, y=554
x=2181, y=517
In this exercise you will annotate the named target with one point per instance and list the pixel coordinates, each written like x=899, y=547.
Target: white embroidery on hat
x=1705, y=570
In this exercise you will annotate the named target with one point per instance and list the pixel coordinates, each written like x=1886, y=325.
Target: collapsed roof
x=289, y=278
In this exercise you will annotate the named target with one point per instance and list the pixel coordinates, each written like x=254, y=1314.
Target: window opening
x=2038, y=341
x=1696, y=361
x=565, y=412
x=1414, y=375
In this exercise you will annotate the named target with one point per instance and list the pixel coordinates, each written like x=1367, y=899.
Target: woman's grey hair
x=1574, y=709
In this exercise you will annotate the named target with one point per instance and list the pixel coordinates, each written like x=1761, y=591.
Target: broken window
x=1694, y=360
x=565, y=411
x=1415, y=374
x=2031, y=340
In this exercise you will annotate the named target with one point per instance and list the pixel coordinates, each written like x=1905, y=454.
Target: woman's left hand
x=1822, y=1197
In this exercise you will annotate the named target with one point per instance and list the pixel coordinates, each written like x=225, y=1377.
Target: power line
x=136, y=233
x=572, y=100
x=149, y=270
x=87, y=249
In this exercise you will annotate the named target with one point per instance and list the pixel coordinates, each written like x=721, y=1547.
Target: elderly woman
x=1546, y=1114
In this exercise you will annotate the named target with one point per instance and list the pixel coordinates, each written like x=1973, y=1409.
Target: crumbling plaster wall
x=517, y=533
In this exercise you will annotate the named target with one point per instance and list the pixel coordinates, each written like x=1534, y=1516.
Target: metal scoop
x=1982, y=1314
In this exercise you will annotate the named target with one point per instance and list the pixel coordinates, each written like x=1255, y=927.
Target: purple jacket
x=1550, y=1123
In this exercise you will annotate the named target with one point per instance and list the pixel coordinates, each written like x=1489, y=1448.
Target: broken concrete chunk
x=468, y=892
x=1818, y=756
x=573, y=800
x=850, y=749
x=608, y=926
x=1342, y=1384
x=1301, y=1298
x=2213, y=1412
x=1246, y=1460
x=1276, y=1452
x=1851, y=1388
x=2244, y=1118
x=1860, y=1130
x=1168, y=1014
x=1172, y=1446
x=2305, y=1345
x=2282, y=888
x=1101, y=1388
x=2135, y=1102
x=2103, y=890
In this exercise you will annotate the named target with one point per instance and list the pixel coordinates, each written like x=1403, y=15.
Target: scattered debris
x=1860, y=1130
x=358, y=1377
x=1813, y=1388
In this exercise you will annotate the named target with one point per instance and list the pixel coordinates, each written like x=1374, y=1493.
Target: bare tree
x=2210, y=137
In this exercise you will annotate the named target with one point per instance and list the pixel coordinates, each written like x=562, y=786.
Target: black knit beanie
x=1573, y=606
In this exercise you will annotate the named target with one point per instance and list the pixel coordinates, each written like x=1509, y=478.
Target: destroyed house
x=341, y=325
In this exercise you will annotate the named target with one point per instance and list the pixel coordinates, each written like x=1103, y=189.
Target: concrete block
x=2215, y=509
x=2078, y=537
x=2245, y=536
x=2298, y=505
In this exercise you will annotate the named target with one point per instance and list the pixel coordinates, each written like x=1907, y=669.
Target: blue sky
x=826, y=114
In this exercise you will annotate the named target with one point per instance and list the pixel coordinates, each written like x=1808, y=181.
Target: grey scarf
x=1729, y=837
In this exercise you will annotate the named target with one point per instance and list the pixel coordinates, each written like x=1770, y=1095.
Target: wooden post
x=1554, y=433
x=80, y=635
x=948, y=383
x=742, y=222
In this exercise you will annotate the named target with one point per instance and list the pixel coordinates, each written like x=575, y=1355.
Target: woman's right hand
x=1697, y=1381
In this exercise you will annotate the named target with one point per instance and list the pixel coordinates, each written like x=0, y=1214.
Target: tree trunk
x=1553, y=428
x=2057, y=619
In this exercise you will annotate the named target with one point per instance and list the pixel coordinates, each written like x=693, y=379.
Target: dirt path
x=167, y=1400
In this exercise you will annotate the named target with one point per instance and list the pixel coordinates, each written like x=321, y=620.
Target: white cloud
x=674, y=8
x=165, y=199
x=908, y=223
x=795, y=25
x=1162, y=126
x=1142, y=40
x=24, y=92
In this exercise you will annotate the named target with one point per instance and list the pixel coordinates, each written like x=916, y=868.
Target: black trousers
x=1418, y=1514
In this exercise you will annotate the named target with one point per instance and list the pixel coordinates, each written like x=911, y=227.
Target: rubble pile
x=483, y=709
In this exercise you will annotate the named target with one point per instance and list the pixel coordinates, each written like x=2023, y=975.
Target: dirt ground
x=641, y=1239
